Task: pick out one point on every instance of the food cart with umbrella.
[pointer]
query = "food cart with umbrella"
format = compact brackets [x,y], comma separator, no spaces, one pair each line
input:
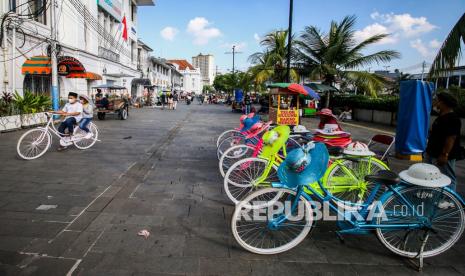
[285,102]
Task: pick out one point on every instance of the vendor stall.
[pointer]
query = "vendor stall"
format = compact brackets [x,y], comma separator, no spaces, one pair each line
[285,102]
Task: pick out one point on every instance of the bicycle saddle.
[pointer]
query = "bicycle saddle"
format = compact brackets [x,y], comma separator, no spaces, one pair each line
[384,177]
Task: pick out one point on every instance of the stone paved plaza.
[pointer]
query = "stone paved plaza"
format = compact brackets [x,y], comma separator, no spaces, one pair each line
[158,171]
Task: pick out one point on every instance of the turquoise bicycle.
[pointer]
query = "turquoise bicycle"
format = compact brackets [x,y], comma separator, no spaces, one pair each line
[416,217]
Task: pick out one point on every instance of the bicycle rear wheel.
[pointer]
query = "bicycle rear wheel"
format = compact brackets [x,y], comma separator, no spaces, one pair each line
[261,223]
[229,143]
[442,211]
[34,143]
[226,134]
[86,143]
[246,175]
[346,180]
[234,154]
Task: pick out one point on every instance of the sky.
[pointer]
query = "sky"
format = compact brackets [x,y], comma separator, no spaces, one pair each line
[180,29]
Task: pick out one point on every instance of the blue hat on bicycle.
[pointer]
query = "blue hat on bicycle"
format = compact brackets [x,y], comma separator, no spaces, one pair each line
[249,122]
[304,165]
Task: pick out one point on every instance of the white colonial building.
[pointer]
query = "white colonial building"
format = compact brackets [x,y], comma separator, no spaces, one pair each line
[192,78]
[97,44]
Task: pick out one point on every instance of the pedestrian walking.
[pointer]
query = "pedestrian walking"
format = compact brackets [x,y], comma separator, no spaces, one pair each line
[170,102]
[443,148]
[247,103]
[175,100]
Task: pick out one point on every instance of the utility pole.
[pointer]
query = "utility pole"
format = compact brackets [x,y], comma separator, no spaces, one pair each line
[53,57]
[423,66]
[289,41]
[234,52]
[13,61]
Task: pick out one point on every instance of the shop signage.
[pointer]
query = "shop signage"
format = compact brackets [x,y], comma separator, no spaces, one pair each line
[63,69]
[113,7]
[288,117]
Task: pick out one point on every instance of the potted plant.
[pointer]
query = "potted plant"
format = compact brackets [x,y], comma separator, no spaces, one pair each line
[9,119]
[31,107]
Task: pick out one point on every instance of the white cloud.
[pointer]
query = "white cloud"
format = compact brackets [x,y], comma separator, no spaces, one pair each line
[408,25]
[256,37]
[418,45]
[375,29]
[397,25]
[239,46]
[199,28]
[435,44]
[169,33]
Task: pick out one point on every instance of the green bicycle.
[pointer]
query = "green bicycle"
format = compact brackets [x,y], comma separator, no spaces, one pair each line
[344,178]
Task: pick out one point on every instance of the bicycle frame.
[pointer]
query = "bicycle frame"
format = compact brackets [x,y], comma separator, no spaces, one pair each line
[354,226]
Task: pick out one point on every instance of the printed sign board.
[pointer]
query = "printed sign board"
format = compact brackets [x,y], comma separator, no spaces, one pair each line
[113,7]
[288,117]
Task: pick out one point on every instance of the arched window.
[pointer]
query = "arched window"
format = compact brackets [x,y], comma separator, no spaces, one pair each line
[37,84]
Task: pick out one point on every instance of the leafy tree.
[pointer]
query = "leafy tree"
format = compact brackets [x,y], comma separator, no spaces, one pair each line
[271,64]
[208,88]
[450,50]
[336,55]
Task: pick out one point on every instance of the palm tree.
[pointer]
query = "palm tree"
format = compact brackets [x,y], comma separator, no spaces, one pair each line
[271,63]
[450,50]
[336,55]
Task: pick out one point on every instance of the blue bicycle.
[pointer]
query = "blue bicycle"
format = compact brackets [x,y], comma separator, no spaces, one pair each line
[416,216]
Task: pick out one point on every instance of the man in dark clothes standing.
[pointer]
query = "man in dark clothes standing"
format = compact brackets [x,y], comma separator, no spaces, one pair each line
[443,147]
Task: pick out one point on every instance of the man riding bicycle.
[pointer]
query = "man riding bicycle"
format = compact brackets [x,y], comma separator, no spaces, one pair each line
[73,112]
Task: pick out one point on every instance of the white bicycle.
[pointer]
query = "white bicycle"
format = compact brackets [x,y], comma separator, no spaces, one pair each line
[35,142]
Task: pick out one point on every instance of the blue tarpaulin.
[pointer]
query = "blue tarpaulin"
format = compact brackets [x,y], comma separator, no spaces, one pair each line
[413,116]
[238,95]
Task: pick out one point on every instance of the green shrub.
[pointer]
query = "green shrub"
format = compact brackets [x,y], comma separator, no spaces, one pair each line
[30,103]
[383,103]
[7,107]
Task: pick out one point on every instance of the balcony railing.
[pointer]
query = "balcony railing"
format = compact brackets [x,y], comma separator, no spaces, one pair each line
[108,54]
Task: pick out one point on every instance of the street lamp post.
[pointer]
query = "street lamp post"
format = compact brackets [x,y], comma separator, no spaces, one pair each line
[289,41]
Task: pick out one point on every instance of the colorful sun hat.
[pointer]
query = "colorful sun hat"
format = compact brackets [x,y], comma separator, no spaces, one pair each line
[249,122]
[425,175]
[257,128]
[274,140]
[304,165]
[326,112]
[358,149]
[300,129]
[330,129]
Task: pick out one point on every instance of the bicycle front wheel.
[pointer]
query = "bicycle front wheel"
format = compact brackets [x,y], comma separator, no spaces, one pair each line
[263,223]
[345,179]
[229,143]
[246,175]
[439,211]
[34,143]
[234,154]
[227,134]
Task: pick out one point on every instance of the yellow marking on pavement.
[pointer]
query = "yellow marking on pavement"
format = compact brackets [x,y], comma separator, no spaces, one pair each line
[369,128]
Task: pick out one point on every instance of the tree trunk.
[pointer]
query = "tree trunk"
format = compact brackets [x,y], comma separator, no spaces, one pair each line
[328,95]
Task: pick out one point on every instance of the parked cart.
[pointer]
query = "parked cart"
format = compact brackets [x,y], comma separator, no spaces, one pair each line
[111,99]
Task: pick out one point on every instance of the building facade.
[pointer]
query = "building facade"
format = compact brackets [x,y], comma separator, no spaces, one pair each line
[206,63]
[97,44]
[191,77]
[160,74]
[456,77]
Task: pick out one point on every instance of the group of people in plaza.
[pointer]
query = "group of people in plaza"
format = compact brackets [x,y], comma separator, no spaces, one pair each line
[169,99]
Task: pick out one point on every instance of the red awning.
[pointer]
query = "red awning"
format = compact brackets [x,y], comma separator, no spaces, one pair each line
[84,75]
